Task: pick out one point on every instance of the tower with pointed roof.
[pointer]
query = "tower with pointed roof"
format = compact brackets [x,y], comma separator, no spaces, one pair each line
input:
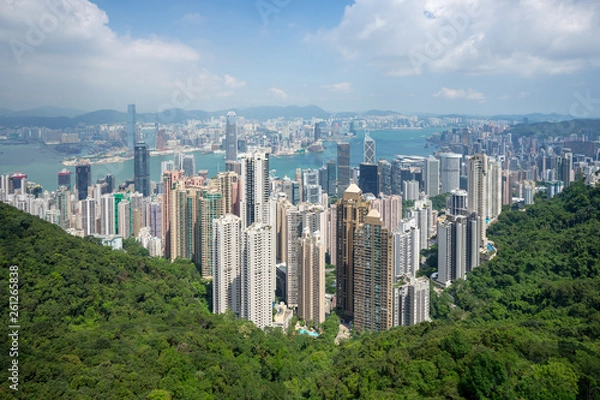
[351,211]
[373,275]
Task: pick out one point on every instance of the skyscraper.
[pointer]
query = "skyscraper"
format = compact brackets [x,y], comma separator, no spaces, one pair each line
[258,275]
[209,206]
[107,215]
[311,306]
[565,167]
[188,165]
[227,184]
[83,172]
[125,222]
[458,203]
[351,211]
[373,275]
[317,132]
[410,190]
[331,178]
[432,176]
[141,168]
[384,170]
[450,171]
[369,149]
[343,168]
[64,178]
[227,261]
[63,198]
[368,180]
[412,301]
[458,247]
[494,186]
[390,210]
[477,194]
[131,127]
[423,215]
[256,187]
[88,213]
[231,137]
[407,248]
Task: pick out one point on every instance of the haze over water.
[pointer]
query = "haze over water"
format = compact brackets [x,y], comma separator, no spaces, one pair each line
[42,165]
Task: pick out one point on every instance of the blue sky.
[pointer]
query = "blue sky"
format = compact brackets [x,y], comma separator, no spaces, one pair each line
[439,56]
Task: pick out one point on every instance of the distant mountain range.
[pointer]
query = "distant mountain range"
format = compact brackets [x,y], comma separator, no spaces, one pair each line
[61,118]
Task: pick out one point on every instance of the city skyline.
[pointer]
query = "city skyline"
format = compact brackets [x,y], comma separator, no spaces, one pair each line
[348,56]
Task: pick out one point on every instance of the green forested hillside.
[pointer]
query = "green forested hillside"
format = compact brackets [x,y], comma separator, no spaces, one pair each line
[96,323]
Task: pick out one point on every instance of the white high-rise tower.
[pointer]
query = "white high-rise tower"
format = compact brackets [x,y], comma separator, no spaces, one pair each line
[255,190]
[227,263]
[258,275]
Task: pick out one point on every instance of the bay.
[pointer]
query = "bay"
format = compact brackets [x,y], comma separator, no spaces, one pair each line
[42,164]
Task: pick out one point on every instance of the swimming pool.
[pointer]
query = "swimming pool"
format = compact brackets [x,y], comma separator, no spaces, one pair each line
[305,332]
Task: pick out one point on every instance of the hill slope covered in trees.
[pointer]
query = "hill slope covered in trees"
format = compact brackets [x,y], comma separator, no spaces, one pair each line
[96,323]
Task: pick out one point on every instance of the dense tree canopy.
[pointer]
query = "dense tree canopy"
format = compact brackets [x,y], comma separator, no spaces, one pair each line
[97,323]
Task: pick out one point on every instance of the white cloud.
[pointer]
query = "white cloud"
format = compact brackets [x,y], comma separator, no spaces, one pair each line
[233,83]
[343,87]
[453,94]
[194,18]
[408,37]
[70,53]
[278,93]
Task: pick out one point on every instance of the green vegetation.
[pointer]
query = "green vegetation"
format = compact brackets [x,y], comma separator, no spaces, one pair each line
[439,202]
[97,323]
[406,204]
[563,128]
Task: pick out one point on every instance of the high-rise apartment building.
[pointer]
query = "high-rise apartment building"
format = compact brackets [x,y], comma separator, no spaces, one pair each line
[125,222]
[209,206]
[227,183]
[351,211]
[458,247]
[305,217]
[390,210]
[256,188]
[373,275]
[88,213]
[407,248]
[478,193]
[107,215]
[411,301]
[227,261]
[311,305]
[258,275]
